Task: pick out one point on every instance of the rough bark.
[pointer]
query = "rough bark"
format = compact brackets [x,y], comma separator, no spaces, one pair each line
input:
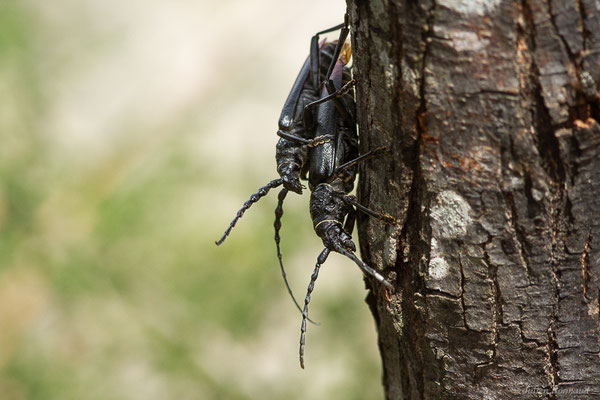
[494,173]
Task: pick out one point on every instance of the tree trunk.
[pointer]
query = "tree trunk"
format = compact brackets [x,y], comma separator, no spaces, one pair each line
[490,110]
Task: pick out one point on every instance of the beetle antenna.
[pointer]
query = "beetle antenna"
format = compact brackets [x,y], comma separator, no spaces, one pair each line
[277,224]
[320,260]
[253,199]
[364,267]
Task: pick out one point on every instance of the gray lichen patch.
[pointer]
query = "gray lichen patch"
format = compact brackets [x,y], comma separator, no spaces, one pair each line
[471,7]
[390,245]
[450,216]
[443,274]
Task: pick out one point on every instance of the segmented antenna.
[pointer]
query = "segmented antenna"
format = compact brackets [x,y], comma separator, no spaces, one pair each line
[253,199]
[320,260]
[277,224]
[364,267]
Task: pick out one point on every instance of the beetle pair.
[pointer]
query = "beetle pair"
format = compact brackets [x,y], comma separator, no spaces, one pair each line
[319,143]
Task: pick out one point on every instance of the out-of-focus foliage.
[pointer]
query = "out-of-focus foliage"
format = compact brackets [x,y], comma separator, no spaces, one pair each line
[130,133]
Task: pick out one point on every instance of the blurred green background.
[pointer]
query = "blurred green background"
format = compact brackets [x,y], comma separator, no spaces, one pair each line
[130,133]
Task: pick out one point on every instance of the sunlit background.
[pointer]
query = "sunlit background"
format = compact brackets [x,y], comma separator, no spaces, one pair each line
[130,133]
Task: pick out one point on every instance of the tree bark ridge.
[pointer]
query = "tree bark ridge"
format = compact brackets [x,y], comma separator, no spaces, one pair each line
[495,178]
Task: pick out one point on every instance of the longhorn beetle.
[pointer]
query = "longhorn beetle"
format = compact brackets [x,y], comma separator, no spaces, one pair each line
[319,143]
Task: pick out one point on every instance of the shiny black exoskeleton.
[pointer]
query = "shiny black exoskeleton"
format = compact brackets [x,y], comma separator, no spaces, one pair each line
[319,143]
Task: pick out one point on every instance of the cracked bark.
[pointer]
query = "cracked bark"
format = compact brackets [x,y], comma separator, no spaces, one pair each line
[494,174]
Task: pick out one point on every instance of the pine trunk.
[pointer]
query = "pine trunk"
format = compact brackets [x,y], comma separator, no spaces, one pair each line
[490,110]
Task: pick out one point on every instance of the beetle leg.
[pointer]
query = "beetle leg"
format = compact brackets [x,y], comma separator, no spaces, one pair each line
[350,220]
[307,142]
[314,50]
[368,155]
[338,48]
[339,104]
[331,92]
[308,114]
[386,218]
